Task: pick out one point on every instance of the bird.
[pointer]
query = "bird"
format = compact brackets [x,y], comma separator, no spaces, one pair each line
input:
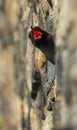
[43,41]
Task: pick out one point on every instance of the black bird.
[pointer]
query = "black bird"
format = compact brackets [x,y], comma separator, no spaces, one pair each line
[44,41]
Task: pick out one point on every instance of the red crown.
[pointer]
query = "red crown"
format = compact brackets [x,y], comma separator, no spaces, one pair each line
[36,33]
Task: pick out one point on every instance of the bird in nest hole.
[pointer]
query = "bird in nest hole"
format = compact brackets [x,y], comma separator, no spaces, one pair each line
[45,42]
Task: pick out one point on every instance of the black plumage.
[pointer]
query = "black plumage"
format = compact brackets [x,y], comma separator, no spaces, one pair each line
[44,41]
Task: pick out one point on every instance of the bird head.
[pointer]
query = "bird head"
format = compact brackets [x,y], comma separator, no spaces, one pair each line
[36,33]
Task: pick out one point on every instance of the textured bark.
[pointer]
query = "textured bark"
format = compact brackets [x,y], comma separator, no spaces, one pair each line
[19,59]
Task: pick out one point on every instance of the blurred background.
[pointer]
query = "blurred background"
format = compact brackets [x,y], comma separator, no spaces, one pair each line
[25,71]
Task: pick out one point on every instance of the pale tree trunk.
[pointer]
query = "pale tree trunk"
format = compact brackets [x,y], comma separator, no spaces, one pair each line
[19,60]
[9,100]
[66,43]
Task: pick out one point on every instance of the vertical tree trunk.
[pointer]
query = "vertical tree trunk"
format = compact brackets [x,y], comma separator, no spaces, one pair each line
[67,71]
[19,60]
